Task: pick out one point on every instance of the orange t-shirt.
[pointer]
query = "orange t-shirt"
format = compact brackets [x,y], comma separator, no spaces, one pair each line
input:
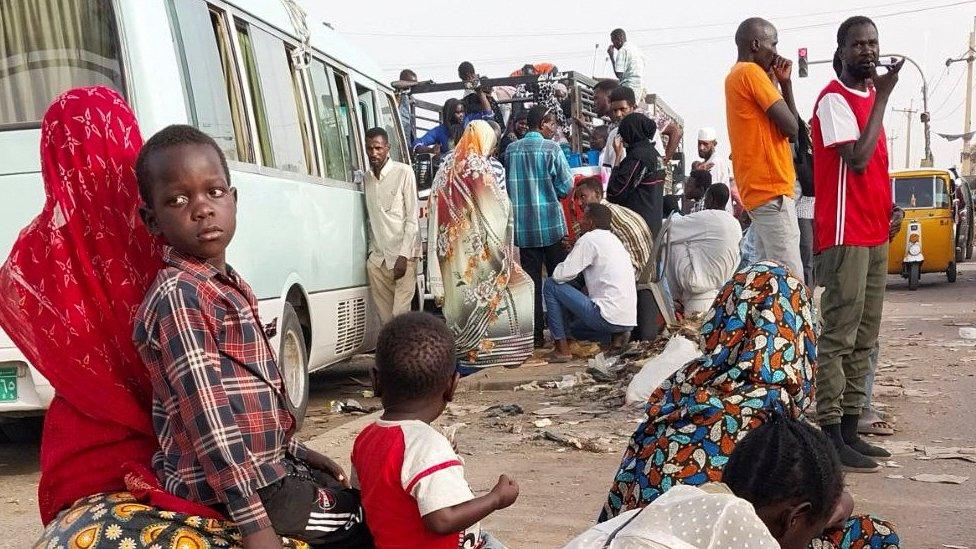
[761,156]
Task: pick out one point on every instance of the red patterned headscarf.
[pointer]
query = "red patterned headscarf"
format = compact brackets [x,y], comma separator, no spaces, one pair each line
[69,292]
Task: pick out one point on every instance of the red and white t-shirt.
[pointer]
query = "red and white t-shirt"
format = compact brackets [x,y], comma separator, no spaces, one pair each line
[406,470]
[852,209]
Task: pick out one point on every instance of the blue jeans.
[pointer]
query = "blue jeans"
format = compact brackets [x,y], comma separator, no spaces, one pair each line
[747,249]
[563,300]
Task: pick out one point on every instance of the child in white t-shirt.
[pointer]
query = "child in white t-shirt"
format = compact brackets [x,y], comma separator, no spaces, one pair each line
[413,489]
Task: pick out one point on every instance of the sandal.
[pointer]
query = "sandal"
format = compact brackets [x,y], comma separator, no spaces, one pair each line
[873,424]
[555,358]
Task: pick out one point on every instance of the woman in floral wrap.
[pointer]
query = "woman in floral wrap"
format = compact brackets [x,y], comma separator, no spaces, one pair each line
[473,263]
[760,357]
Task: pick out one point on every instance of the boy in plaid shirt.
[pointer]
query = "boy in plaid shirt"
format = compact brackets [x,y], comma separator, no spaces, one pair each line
[219,409]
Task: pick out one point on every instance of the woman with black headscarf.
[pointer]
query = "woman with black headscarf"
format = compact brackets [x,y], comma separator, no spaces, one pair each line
[637,181]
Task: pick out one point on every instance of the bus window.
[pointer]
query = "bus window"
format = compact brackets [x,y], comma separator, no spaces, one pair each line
[298,88]
[334,148]
[49,46]
[346,126]
[390,116]
[272,92]
[257,98]
[202,37]
[367,106]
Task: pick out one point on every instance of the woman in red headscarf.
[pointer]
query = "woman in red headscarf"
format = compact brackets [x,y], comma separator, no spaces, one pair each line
[68,292]
[68,295]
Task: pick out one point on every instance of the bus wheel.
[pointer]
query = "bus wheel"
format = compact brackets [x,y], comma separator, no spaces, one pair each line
[914,273]
[293,362]
[951,272]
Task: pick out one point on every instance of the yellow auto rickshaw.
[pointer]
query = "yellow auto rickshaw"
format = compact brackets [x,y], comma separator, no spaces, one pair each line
[926,242]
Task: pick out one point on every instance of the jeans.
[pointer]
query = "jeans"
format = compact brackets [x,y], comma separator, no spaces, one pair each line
[747,249]
[533,261]
[778,233]
[806,250]
[563,300]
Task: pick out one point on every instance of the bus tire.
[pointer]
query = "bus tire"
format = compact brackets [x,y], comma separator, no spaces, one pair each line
[914,273]
[293,363]
[951,272]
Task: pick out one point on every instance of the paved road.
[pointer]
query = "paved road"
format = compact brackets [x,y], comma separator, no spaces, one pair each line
[921,350]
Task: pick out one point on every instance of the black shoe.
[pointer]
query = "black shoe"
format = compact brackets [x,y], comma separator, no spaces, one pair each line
[848,430]
[852,460]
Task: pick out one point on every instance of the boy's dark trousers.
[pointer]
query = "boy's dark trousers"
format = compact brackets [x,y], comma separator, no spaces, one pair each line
[312,506]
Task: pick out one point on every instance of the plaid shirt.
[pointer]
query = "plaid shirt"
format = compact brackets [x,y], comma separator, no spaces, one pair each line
[538,176]
[219,409]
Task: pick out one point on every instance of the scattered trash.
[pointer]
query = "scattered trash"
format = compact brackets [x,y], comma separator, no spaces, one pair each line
[967,332]
[358,381]
[450,432]
[532,386]
[349,407]
[935,452]
[368,393]
[565,440]
[891,464]
[943,479]
[598,445]
[602,368]
[678,352]
[553,411]
[544,422]
[500,410]
[568,381]
[516,429]
[950,546]
[895,477]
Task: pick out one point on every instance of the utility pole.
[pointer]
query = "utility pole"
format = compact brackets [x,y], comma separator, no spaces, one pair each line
[908,131]
[966,156]
[891,147]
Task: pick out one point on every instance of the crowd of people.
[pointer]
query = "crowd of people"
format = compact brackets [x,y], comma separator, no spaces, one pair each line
[170,424]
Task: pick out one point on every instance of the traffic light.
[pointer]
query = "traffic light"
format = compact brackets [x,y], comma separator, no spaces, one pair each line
[802,65]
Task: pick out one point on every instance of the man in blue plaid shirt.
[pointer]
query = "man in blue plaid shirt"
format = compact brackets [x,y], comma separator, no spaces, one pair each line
[538,176]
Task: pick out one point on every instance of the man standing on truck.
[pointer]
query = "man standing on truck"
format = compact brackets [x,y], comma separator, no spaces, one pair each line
[391,202]
[538,176]
[407,79]
[628,62]
[761,121]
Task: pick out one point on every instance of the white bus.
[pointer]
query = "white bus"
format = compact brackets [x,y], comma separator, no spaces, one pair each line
[280,92]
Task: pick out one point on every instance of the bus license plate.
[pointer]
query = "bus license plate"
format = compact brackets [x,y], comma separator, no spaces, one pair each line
[8,384]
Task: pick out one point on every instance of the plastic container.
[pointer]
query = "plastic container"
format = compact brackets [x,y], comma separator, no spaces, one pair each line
[593,158]
[575,160]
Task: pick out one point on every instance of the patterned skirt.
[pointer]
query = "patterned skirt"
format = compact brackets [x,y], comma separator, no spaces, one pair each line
[118,521]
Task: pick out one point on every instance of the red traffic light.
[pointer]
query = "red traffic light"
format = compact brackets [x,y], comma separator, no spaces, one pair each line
[803,53]
[802,69]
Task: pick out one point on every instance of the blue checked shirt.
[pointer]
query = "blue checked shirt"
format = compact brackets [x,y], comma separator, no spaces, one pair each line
[538,176]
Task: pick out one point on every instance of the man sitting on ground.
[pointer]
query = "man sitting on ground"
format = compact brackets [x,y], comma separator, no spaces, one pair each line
[610,311]
[703,252]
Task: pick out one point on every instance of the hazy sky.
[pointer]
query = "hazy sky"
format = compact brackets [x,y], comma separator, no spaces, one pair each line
[688,47]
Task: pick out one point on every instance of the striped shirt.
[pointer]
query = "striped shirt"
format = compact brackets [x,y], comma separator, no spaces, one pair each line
[631,229]
[219,409]
[538,176]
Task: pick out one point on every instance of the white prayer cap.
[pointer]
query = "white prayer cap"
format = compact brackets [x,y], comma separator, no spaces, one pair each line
[707,134]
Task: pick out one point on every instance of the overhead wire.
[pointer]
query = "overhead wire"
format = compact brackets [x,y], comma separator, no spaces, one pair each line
[631,31]
[701,40]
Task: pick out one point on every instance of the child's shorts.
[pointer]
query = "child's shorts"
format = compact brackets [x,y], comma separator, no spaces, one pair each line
[313,506]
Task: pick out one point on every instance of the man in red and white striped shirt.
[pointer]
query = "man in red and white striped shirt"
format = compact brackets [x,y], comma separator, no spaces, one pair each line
[851,220]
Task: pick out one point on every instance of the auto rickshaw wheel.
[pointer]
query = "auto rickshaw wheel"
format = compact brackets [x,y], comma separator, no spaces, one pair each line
[951,272]
[914,273]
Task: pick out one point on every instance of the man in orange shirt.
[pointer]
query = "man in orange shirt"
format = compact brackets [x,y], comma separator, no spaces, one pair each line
[761,122]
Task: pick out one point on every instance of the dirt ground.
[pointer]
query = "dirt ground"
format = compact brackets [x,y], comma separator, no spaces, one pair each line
[926,379]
